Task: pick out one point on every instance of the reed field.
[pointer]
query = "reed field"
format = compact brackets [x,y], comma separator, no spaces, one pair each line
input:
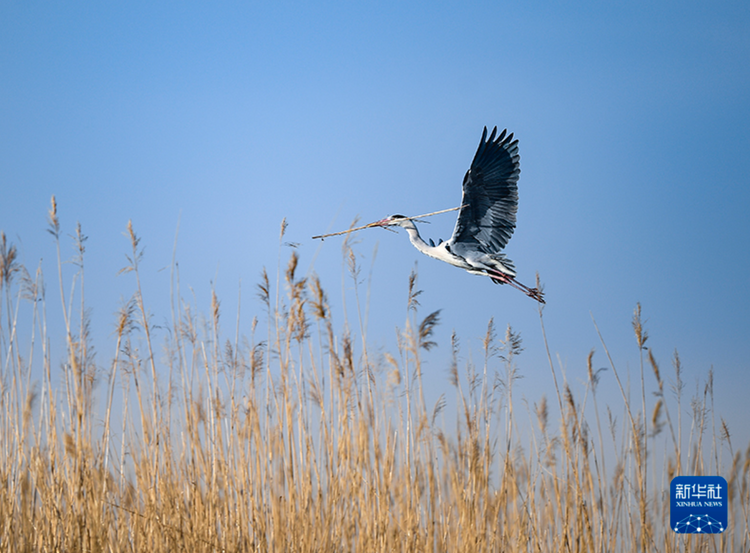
[293,438]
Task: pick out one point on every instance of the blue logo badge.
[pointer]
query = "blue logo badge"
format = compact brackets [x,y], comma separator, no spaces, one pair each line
[698,504]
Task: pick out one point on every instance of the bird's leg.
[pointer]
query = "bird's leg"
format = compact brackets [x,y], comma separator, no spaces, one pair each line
[501,278]
[531,292]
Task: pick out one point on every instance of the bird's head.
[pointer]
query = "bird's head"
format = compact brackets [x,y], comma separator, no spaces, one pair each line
[395,221]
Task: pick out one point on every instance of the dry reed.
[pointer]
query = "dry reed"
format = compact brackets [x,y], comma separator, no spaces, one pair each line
[302,441]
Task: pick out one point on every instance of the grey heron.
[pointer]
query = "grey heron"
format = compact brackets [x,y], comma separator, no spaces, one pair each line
[486,219]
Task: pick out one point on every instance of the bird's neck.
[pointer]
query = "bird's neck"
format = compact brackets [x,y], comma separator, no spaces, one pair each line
[416,239]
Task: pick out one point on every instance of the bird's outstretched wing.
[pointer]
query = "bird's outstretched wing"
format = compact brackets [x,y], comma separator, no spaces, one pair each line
[490,195]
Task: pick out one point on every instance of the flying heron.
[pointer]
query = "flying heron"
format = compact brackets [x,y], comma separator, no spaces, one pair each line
[486,218]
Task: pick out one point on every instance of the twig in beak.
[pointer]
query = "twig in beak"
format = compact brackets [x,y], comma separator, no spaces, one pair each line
[375,224]
[379,223]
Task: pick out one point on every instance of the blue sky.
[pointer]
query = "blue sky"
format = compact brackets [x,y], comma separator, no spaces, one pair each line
[223,119]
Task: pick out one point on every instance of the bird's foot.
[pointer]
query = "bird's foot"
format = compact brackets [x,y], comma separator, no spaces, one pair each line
[535,293]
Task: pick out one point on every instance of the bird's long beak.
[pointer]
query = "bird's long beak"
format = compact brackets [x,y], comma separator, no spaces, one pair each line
[382,223]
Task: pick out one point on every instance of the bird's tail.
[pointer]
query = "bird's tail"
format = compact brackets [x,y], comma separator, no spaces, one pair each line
[501,264]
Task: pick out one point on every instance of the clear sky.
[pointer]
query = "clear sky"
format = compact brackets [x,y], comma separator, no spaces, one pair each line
[224,118]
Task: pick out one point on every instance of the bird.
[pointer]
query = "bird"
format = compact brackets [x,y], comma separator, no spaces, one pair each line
[486,218]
